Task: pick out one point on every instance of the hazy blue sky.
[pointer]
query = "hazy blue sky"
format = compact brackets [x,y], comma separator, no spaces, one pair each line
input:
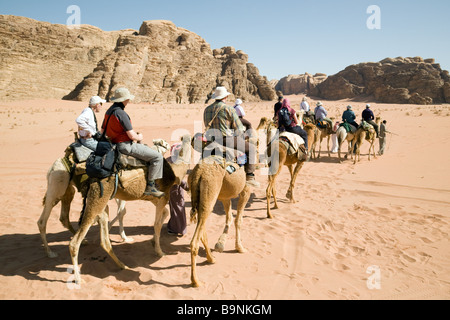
[281,37]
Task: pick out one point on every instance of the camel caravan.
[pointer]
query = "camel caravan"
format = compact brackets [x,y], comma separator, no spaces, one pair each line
[113,163]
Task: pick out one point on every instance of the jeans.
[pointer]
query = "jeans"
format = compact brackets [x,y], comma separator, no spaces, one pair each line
[142,152]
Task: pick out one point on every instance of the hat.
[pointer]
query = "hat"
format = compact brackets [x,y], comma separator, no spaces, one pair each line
[349,107]
[96,100]
[305,99]
[220,93]
[238,102]
[121,95]
[367,106]
[319,104]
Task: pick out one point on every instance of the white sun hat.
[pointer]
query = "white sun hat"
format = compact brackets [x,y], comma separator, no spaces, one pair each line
[121,95]
[96,100]
[239,102]
[220,93]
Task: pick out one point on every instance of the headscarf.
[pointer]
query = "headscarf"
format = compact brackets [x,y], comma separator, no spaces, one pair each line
[286,103]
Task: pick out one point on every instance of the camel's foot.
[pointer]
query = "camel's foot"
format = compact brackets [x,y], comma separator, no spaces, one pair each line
[127,240]
[211,259]
[196,283]
[219,247]
[52,254]
[158,249]
[289,195]
[240,249]
[269,216]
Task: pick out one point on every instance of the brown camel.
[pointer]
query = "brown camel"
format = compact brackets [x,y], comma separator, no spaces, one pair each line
[358,140]
[283,158]
[61,188]
[209,182]
[325,133]
[101,191]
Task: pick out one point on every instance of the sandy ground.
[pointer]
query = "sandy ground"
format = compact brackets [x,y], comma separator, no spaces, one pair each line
[387,219]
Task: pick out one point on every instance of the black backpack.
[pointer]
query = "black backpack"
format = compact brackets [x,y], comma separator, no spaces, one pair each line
[102,163]
[284,117]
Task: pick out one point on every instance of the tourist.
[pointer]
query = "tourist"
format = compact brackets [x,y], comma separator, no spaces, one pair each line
[87,123]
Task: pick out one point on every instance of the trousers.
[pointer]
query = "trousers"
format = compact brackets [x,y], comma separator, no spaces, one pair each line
[142,152]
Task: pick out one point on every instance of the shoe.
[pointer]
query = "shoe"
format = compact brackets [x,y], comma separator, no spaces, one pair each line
[152,190]
[251,181]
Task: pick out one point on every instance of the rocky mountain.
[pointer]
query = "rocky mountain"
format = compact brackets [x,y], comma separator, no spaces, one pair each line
[399,80]
[158,63]
[299,84]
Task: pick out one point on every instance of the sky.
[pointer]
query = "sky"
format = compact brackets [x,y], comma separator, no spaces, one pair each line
[281,37]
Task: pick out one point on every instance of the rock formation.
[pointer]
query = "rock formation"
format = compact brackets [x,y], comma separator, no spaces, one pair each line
[160,63]
[399,80]
[300,84]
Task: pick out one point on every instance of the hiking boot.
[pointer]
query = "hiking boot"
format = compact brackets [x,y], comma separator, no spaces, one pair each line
[152,190]
[251,181]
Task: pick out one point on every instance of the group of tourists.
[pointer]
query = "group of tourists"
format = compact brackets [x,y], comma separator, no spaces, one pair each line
[320,114]
[228,124]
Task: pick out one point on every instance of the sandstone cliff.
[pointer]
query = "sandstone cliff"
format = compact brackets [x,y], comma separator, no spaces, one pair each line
[160,63]
[399,80]
[302,83]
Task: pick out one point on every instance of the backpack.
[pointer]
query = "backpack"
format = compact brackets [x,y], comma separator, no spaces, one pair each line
[284,117]
[103,163]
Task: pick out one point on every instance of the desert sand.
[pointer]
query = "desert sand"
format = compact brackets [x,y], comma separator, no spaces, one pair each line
[387,219]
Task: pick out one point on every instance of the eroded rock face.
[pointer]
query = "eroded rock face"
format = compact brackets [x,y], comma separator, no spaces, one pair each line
[43,60]
[300,84]
[160,63]
[399,80]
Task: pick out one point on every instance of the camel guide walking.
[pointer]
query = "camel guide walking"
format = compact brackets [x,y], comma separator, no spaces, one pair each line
[120,131]
[87,123]
[224,126]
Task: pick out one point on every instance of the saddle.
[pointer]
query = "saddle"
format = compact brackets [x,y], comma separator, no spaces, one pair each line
[293,143]
[75,163]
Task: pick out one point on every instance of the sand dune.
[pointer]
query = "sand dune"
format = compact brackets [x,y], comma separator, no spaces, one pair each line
[389,216]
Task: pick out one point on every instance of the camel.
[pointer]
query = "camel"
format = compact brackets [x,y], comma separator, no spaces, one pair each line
[100,191]
[283,159]
[342,136]
[209,182]
[324,133]
[370,136]
[61,188]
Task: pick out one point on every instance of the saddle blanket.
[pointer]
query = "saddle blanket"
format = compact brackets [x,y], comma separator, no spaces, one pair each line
[294,139]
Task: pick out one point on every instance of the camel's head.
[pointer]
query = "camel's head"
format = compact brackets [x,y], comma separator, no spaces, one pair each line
[181,152]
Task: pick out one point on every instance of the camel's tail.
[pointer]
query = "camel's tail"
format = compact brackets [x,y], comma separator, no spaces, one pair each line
[194,187]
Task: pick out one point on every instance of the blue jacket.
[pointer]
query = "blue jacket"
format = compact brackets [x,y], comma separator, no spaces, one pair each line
[367,115]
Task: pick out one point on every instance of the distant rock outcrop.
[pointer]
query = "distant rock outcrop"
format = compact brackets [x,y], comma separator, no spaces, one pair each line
[298,84]
[399,80]
[160,63]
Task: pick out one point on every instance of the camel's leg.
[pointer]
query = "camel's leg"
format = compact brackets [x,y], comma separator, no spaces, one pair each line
[328,145]
[121,212]
[269,192]
[320,146]
[74,247]
[209,257]
[57,185]
[94,208]
[199,233]
[243,199]
[204,210]
[66,201]
[161,214]
[104,238]
[289,192]
[220,245]
[293,179]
